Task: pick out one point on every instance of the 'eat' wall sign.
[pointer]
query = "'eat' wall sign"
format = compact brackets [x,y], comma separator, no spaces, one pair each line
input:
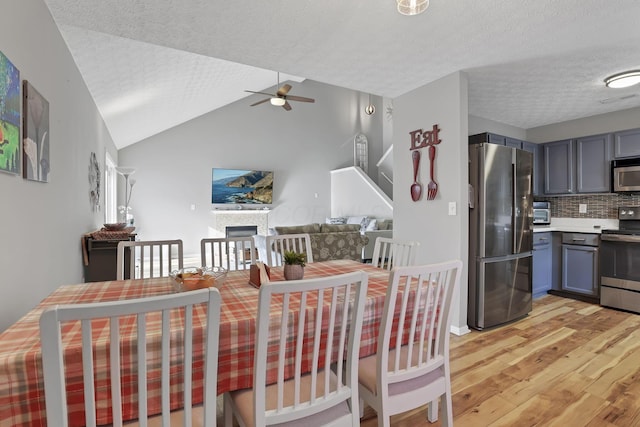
[420,139]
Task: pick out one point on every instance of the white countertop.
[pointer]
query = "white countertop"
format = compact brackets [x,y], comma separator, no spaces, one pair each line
[577,225]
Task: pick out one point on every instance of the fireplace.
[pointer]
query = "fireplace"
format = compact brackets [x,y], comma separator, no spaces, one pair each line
[239,219]
[240,230]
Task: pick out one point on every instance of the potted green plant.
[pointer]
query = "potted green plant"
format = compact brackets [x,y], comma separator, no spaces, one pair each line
[294,263]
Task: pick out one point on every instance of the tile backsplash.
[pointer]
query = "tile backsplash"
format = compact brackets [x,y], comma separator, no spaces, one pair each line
[598,205]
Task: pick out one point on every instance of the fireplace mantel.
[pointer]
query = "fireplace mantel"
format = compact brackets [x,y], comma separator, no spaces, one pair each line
[236,217]
[244,210]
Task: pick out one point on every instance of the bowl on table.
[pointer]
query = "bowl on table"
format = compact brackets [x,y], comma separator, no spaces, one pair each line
[116,226]
[191,278]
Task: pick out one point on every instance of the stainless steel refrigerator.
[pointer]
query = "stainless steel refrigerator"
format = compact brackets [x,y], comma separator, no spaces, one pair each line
[500,239]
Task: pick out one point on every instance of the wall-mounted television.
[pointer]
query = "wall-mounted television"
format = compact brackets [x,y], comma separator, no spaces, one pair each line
[237,186]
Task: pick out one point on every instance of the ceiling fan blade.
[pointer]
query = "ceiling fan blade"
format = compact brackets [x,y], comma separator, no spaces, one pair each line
[284,90]
[300,98]
[261,93]
[287,106]
[260,102]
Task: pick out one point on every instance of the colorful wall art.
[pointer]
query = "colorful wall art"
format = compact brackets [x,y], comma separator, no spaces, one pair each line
[9,116]
[36,165]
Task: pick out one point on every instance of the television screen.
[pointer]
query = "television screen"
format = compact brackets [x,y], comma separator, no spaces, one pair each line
[241,186]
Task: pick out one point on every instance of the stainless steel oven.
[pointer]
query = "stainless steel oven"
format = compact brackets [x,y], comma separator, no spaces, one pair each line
[620,262]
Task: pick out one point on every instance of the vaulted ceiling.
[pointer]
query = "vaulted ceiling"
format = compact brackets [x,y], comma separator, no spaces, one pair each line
[153,64]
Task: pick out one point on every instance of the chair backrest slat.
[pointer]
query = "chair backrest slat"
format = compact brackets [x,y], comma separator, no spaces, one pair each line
[114,359]
[389,253]
[233,253]
[166,364]
[312,315]
[299,340]
[317,341]
[142,367]
[188,364]
[143,255]
[88,369]
[278,244]
[281,350]
[165,306]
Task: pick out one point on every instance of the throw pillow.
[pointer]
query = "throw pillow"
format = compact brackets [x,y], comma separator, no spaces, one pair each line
[372,226]
[355,219]
[362,220]
[336,220]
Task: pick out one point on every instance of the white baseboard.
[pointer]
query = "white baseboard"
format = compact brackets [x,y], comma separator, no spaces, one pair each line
[456,330]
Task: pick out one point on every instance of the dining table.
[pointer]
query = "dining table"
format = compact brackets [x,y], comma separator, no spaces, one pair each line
[22,399]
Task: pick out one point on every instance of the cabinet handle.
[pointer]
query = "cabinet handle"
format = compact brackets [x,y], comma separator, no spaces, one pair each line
[543,239]
[579,240]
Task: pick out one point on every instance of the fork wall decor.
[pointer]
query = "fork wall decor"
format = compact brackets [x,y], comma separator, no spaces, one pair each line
[420,139]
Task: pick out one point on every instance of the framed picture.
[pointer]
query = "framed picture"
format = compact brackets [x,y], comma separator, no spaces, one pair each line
[35,132]
[9,116]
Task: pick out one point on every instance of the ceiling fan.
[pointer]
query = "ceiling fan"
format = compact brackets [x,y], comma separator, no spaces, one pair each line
[281,98]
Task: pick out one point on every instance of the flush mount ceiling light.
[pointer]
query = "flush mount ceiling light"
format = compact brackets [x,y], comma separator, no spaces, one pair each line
[626,79]
[412,7]
[278,102]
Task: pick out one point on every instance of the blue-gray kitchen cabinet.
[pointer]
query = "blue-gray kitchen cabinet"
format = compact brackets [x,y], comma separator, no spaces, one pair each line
[580,263]
[627,143]
[542,266]
[558,167]
[593,164]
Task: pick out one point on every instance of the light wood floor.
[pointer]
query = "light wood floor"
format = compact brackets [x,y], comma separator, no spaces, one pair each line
[567,364]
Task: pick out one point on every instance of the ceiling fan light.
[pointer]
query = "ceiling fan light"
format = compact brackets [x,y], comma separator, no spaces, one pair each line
[412,7]
[277,101]
[621,80]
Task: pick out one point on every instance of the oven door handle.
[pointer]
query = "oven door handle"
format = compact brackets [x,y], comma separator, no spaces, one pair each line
[620,238]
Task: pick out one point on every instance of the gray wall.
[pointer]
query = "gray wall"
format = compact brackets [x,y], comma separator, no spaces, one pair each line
[441,236]
[479,125]
[42,223]
[301,146]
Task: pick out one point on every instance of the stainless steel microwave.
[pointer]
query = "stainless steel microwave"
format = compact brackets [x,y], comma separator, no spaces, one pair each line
[625,175]
[541,213]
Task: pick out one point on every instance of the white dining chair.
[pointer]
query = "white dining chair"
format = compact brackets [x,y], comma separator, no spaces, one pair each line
[304,325]
[389,253]
[148,258]
[279,243]
[232,253]
[145,311]
[411,365]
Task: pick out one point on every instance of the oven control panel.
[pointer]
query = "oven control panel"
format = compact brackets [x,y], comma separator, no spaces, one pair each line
[629,212]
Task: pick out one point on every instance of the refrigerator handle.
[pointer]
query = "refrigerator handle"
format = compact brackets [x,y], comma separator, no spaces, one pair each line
[514,207]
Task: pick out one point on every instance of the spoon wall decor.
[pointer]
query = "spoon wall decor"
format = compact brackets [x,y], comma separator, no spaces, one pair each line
[416,187]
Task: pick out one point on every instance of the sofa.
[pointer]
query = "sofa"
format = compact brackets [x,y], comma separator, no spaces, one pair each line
[371,227]
[331,241]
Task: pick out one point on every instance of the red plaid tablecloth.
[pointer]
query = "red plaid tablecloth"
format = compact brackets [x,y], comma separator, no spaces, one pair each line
[21,381]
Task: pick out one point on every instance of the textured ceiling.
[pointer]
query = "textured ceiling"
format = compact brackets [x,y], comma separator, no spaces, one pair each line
[153,64]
